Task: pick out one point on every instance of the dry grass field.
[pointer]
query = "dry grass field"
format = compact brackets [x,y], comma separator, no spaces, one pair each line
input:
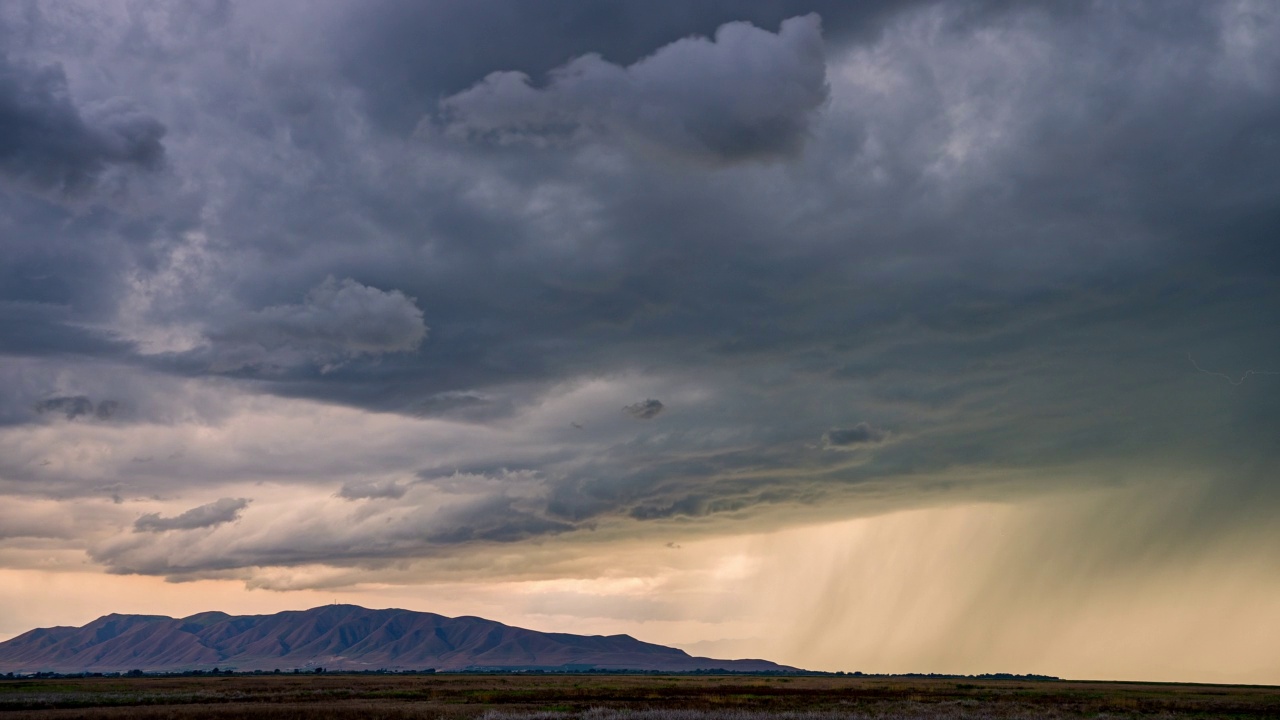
[616,697]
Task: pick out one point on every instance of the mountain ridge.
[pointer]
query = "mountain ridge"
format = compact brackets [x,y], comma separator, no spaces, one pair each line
[338,637]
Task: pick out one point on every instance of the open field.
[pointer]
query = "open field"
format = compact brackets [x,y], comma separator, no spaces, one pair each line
[617,697]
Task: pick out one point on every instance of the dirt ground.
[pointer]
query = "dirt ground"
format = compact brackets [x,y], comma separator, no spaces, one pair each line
[618,697]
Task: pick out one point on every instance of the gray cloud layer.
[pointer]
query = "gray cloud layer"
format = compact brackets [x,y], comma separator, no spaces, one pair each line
[217,512]
[996,230]
[860,434]
[645,409]
[47,142]
[336,321]
[381,489]
[76,406]
[746,93]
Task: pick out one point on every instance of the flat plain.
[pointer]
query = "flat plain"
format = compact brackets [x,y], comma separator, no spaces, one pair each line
[618,697]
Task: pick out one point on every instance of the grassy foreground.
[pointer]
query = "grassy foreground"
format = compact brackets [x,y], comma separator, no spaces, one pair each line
[617,697]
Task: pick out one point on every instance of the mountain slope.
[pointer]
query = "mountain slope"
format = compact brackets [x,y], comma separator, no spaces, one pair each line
[340,637]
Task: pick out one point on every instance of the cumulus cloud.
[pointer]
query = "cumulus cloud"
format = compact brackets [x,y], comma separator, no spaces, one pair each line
[838,438]
[48,143]
[645,409]
[373,489]
[337,321]
[218,512]
[747,93]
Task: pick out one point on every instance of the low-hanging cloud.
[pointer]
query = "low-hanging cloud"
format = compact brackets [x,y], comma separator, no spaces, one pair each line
[748,93]
[47,143]
[217,512]
[645,409]
[374,489]
[74,406]
[321,532]
[859,435]
[338,321]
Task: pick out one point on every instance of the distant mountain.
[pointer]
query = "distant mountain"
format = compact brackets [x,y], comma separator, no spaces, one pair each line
[337,637]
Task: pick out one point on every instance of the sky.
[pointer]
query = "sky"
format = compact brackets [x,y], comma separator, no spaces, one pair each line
[891,336]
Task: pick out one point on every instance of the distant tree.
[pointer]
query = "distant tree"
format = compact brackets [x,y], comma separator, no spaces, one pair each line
[134,673]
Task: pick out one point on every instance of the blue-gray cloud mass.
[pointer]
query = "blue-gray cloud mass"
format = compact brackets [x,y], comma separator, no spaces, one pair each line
[996,230]
[47,142]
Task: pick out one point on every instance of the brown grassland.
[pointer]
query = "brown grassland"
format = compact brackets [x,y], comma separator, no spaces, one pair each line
[617,697]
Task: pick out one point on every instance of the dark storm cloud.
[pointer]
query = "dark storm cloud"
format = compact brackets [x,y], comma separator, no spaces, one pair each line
[745,94]
[501,520]
[71,407]
[217,512]
[860,434]
[337,321]
[75,406]
[645,409]
[997,229]
[378,489]
[38,329]
[46,141]
[462,404]
[686,480]
[405,56]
